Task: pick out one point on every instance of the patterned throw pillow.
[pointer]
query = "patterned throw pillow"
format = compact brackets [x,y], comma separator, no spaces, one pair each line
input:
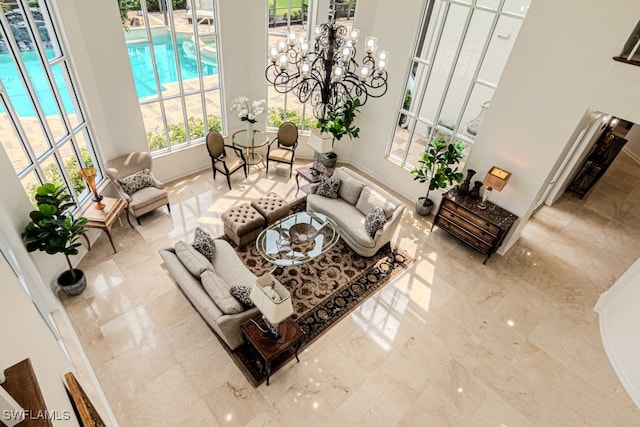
[243,294]
[203,243]
[329,187]
[139,180]
[375,220]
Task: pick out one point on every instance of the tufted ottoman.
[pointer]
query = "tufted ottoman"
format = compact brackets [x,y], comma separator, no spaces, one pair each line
[242,224]
[272,207]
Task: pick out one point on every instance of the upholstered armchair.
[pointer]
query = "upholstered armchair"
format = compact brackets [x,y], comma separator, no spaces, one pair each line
[283,147]
[132,177]
[222,163]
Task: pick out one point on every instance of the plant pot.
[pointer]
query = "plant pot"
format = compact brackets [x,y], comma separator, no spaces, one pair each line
[329,160]
[67,284]
[424,206]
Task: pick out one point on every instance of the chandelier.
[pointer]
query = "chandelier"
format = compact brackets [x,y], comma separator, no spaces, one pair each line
[329,73]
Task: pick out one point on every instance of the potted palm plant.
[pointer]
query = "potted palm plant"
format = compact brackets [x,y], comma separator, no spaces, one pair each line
[53,229]
[338,122]
[438,168]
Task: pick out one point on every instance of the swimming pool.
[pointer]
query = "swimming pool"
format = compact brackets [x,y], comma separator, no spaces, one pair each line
[141,67]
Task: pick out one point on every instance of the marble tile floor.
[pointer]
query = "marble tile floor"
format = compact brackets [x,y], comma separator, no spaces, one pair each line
[451,341]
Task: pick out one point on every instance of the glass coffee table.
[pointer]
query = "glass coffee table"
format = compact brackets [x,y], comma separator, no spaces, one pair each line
[298,238]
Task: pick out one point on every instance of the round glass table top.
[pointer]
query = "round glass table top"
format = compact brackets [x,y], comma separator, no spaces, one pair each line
[297,238]
[242,138]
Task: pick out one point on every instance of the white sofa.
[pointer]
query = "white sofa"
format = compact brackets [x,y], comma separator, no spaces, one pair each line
[232,270]
[356,197]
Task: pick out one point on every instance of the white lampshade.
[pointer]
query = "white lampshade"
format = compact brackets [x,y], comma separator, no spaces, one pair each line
[274,310]
[319,144]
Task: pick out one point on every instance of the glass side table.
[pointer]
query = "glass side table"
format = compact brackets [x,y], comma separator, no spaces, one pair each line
[249,143]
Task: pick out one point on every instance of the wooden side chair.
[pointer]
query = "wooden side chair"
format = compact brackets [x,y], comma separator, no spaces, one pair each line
[283,147]
[220,161]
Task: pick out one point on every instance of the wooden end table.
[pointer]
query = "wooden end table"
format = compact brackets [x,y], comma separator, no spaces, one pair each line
[104,219]
[269,348]
[309,174]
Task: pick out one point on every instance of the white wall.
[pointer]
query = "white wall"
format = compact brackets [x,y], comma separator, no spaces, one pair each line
[25,335]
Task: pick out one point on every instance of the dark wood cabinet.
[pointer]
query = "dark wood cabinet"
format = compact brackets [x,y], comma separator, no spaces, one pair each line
[482,229]
[602,155]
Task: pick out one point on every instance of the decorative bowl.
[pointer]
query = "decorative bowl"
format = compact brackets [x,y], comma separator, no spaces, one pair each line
[302,233]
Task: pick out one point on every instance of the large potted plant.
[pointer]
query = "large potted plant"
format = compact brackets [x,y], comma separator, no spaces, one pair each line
[339,121]
[438,168]
[53,229]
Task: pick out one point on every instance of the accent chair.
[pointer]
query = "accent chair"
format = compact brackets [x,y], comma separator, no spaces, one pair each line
[283,147]
[132,177]
[220,161]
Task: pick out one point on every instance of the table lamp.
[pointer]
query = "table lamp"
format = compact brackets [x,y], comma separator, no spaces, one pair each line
[273,300]
[496,179]
[89,175]
[321,146]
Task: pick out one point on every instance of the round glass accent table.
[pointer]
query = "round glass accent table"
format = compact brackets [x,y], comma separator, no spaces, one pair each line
[297,238]
[249,142]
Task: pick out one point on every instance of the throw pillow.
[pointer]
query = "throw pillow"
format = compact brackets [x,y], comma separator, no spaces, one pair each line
[329,187]
[243,294]
[370,198]
[203,243]
[350,188]
[220,293]
[192,260]
[375,220]
[139,180]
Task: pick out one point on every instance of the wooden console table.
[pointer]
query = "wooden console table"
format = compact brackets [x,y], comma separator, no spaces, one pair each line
[482,229]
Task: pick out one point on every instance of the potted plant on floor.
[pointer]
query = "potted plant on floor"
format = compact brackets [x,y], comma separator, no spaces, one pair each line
[339,121]
[53,229]
[438,168]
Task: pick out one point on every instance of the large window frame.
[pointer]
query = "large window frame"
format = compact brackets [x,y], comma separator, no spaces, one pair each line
[44,129]
[174,117]
[421,114]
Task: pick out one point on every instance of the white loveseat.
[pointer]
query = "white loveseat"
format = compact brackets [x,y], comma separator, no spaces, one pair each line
[357,196]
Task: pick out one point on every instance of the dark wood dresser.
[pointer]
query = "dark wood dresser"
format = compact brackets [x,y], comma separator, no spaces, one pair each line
[482,229]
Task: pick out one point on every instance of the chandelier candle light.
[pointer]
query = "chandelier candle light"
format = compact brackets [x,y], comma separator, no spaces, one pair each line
[329,71]
[240,105]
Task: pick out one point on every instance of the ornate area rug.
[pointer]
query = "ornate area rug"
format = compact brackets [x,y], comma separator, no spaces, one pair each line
[323,291]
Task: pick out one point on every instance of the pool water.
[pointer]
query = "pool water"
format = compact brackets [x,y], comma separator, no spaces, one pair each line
[141,67]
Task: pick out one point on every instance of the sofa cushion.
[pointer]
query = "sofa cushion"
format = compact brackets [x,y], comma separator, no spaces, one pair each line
[370,198]
[375,220]
[203,243]
[243,294]
[192,260]
[139,180]
[329,187]
[230,267]
[349,219]
[220,293]
[350,188]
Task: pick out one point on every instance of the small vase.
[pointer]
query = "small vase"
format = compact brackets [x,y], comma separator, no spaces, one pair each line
[475,191]
[464,187]
[250,131]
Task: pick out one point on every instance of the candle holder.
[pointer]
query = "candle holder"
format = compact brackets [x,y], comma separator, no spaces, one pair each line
[89,175]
